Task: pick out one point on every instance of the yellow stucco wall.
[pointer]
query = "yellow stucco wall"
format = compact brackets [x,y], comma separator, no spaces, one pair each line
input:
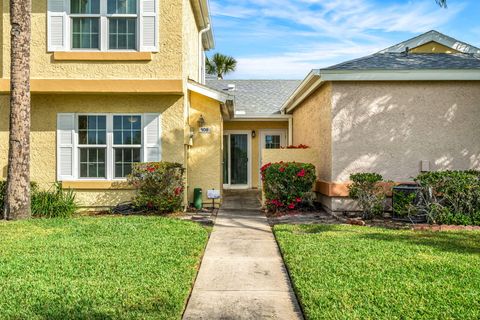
[190,43]
[258,126]
[205,156]
[312,127]
[43,133]
[166,64]
[433,47]
[389,127]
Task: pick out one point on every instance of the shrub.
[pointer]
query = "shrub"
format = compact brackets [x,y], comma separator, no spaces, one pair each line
[53,203]
[450,197]
[287,185]
[367,190]
[160,186]
[405,203]
[300,146]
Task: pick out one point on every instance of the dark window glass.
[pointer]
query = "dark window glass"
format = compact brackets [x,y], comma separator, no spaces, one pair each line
[127,130]
[85,6]
[85,33]
[92,163]
[122,6]
[124,158]
[122,33]
[92,130]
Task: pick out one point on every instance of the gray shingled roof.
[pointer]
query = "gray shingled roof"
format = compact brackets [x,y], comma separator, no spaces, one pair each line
[411,61]
[256,97]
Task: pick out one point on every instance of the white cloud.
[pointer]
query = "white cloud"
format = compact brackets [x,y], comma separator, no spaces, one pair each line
[319,32]
[296,65]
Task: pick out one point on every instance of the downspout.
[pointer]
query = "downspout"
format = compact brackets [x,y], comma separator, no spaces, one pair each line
[290,131]
[200,52]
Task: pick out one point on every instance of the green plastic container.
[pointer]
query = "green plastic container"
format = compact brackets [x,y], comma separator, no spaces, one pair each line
[198,198]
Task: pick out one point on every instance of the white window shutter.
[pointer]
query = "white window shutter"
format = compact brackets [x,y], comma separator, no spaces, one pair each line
[152,142]
[65,146]
[57,25]
[149,28]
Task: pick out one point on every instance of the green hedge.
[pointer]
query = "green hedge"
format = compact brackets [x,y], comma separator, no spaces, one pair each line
[160,186]
[366,189]
[451,197]
[287,185]
[445,197]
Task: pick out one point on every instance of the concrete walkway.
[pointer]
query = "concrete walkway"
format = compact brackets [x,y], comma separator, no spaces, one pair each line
[242,274]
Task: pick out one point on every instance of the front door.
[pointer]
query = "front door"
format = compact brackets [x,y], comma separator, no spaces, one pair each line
[236,159]
[271,139]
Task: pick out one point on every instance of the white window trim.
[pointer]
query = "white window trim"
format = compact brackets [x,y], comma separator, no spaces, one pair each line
[104,31]
[109,155]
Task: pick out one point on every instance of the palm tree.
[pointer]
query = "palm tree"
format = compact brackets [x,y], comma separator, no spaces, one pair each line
[442,3]
[17,200]
[220,65]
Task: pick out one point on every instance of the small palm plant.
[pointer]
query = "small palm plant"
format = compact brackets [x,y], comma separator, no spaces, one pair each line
[220,64]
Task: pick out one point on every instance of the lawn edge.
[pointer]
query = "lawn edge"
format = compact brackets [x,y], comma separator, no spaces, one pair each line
[198,271]
[294,288]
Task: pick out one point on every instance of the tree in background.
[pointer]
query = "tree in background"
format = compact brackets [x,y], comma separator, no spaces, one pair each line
[17,201]
[442,3]
[220,64]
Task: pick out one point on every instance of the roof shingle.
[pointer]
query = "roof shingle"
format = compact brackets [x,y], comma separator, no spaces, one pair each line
[411,61]
[256,97]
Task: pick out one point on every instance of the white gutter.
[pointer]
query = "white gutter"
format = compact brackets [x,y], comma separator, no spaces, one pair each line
[278,117]
[401,75]
[208,92]
[201,53]
[317,77]
[308,85]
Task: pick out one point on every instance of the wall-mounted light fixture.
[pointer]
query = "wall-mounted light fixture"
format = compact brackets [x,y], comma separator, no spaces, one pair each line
[201,121]
[254,134]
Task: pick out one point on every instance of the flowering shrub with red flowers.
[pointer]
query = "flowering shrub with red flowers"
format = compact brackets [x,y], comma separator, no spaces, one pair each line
[159,185]
[287,185]
[300,146]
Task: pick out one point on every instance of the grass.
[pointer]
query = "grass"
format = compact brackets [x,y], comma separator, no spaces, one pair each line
[351,272]
[98,268]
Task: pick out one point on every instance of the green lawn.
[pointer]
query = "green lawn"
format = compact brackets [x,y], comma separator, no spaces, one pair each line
[350,272]
[98,268]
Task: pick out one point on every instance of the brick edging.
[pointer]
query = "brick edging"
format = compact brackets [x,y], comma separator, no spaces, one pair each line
[436,227]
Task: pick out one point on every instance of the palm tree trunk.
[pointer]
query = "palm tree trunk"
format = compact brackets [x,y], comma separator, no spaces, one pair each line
[17,200]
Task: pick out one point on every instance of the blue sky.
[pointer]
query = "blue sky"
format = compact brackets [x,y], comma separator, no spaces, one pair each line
[285,39]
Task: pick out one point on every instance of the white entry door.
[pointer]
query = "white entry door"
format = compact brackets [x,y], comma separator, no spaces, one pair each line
[271,139]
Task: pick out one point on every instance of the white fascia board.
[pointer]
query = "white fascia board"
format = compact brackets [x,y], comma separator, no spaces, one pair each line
[207,92]
[429,37]
[263,118]
[400,75]
[311,81]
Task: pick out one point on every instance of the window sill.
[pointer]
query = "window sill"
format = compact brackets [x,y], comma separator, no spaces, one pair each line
[96,185]
[101,56]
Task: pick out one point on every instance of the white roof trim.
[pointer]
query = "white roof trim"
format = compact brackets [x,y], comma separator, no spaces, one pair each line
[308,85]
[317,77]
[400,75]
[279,117]
[208,92]
[429,37]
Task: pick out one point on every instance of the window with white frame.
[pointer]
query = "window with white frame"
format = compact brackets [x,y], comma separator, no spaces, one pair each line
[127,143]
[103,25]
[105,146]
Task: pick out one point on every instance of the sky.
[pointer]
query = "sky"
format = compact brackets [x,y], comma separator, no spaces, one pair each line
[285,39]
